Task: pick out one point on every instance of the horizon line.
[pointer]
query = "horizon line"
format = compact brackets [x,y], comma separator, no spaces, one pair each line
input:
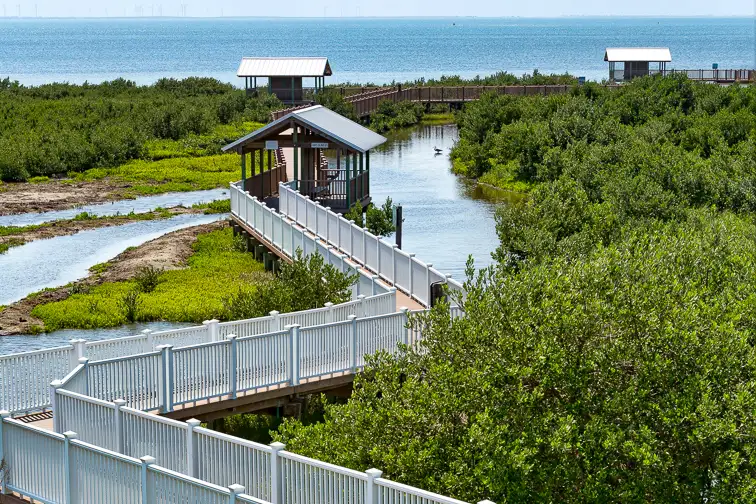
[565,16]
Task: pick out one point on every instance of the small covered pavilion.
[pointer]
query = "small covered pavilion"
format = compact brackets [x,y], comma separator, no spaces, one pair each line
[285,76]
[635,61]
[303,141]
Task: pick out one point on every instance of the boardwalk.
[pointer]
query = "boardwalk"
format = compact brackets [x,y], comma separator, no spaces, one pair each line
[107,439]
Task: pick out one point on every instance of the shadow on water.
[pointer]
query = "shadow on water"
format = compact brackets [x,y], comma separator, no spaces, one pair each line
[121,207]
[446,217]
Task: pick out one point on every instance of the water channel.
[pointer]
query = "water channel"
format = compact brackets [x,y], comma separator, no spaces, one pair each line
[446,217]
[142,204]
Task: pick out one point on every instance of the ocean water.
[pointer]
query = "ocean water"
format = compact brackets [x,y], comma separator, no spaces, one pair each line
[36,51]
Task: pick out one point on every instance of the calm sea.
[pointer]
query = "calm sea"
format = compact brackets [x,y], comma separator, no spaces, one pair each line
[35,51]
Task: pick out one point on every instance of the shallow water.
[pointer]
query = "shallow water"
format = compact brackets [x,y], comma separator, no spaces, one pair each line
[27,342]
[63,259]
[446,218]
[139,205]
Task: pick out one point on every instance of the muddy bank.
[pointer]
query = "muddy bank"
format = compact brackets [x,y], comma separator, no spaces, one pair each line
[170,251]
[69,227]
[24,197]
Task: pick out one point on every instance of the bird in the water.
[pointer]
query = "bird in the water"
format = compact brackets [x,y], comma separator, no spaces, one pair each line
[438,151]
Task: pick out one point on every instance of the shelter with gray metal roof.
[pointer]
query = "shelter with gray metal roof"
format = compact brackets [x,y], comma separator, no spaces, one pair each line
[326,155]
[285,76]
[635,61]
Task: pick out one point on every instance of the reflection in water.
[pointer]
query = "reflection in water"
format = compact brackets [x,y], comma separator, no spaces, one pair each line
[122,207]
[27,343]
[446,218]
[63,259]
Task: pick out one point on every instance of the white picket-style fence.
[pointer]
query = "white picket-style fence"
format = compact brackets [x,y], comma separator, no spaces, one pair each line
[103,427]
[398,267]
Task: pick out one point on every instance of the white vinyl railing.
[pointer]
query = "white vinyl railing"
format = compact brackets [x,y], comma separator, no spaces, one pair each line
[171,377]
[379,256]
[60,468]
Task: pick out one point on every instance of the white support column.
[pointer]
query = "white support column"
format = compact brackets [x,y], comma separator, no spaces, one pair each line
[294,352]
[118,422]
[54,386]
[233,492]
[374,278]
[427,283]
[147,497]
[353,344]
[68,468]
[149,344]
[3,476]
[232,366]
[276,475]
[411,279]
[166,378]
[393,263]
[212,330]
[364,247]
[328,224]
[191,448]
[405,311]
[371,491]
[275,322]
[360,311]
[329,317]
[79,349]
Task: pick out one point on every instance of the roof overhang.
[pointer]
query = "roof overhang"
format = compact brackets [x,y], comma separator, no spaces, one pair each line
[324,122]
[622,54]
[284,67]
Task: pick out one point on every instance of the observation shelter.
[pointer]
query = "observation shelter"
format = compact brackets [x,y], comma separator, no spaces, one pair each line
[325,155]
[285,77]
[626,63]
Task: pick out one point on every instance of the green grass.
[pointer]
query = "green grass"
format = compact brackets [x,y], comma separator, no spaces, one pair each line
[214,207]
[39,180]
[438,118]
[12,242]
[199,145]
[193,294]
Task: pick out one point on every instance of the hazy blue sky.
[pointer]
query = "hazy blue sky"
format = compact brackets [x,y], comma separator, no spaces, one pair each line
[335,8]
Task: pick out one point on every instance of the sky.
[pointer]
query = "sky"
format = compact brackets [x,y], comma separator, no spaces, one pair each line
[371,8]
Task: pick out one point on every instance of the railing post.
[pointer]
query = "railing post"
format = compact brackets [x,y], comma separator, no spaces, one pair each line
[166,374]
[393,263]
[328,224]
[118,421]
[294,352]
[411,269]
[147,461]
[371,491]
[212,330]
[377,255]
[361,306]
[3,474]
[233,491]
[427,281]
[275,322]
[374,279]
[54,386]
[67,466]
[84,361]
[329,305]
[79,347]
[191,447]
[353,344]
[232,366]
[405,311]
[364,246]
[149,345]
[276,476]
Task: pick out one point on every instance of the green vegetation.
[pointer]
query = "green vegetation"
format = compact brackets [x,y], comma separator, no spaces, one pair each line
[214,207]
[306,283]
[609,355]
[193,294]
[394,115]
[221,281]
[11,242]
[62,128]
[377,220]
